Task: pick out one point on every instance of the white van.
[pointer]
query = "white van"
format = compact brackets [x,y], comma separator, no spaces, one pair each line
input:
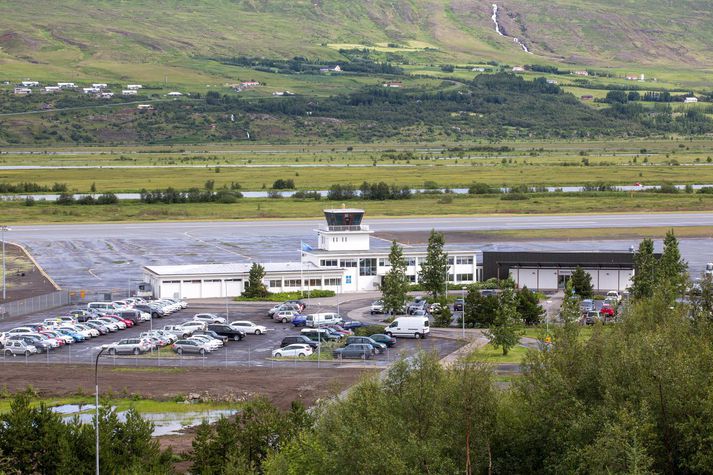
[317,319]
[103,306]
[417,327]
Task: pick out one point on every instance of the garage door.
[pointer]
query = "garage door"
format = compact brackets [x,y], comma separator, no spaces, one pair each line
[235,287]
[191,289]
[169,289]
[212,288]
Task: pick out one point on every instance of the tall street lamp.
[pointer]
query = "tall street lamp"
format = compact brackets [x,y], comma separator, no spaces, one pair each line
[4,228]
[96,404]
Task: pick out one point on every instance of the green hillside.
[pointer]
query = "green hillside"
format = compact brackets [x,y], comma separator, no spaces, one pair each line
[153,40]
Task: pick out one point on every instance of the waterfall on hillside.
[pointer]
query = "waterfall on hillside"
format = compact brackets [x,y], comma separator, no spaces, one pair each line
[499,32]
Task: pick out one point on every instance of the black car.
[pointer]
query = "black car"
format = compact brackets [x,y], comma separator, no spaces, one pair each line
[82,315]
[227,331]
[298,339]
[385,339]
[153,310]
[298,303]
[458,305]
[132,315]
[212,334]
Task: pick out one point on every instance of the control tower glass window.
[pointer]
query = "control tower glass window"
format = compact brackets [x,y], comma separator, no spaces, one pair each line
[348,217]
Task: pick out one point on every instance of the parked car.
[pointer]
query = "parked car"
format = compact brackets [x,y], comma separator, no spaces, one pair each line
[179,331]
[103,329]
[76,336]
[211,343]
[298,303]
[64,339]
[222,338]
[283,306]
[607,310]
[227,331]
[587,305]
[355,350]
[18,347]
[208,318]
[418,304]
[190,346]
[296,350]
[300,321]
[385,339]
[377,307]
[458,305]
[613,294]
[378,347]
[285,316]
[590,318]
[134,346]
[81,315]
[339,329]
[93,332]
[351,325]
[298,339]
[154,310]
[319,334]
[195,324]
[248,327]
[41,345]
[110,324]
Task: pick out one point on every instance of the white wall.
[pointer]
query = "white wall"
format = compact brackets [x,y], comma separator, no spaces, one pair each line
[346,241]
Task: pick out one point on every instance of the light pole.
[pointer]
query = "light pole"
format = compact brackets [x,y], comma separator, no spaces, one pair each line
[96,404]
[4,228]
[462,319]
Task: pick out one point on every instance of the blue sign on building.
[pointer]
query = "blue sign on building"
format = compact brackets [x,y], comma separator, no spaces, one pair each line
[348,279]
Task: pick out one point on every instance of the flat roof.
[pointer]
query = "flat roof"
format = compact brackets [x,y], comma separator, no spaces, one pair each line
[231,268]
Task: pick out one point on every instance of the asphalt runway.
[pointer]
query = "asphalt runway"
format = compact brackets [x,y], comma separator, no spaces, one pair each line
[109,257]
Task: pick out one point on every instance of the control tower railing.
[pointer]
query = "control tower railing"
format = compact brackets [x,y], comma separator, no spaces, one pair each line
[360,227]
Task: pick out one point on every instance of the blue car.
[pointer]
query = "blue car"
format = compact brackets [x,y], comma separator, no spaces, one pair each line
[76,336]
[299,320]
[351,325]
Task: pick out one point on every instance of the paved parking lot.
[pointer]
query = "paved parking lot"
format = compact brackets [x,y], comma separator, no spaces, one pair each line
[253,350]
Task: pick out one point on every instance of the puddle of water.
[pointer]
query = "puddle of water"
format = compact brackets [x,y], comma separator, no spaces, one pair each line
[165,423]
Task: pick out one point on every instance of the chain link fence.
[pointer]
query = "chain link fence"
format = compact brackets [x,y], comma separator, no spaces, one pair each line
[18,308]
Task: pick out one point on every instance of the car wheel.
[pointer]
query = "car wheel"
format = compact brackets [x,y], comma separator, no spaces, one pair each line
[112,351]
[27,352]
[136,351]
[301,355]
[236,338]
[201,352]
[417,336]
[179,351]
[284,320]
[278,355]
[258,332]
[8,353]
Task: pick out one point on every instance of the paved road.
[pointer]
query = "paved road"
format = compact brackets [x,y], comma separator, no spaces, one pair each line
[299,227]
[110,256]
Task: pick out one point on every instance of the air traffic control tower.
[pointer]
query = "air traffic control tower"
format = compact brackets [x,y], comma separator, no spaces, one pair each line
[344,231]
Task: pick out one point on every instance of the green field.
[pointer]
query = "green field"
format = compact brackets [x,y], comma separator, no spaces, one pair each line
[45,212]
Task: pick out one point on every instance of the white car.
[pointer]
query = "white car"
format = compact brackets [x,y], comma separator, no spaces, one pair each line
[248,327]
[211,343]
[113,325]
[208,318]
[195,325]
[296,350]
[73,328]
[93,332]
[285,316]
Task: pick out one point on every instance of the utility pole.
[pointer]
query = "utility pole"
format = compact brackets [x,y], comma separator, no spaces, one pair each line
[4,228]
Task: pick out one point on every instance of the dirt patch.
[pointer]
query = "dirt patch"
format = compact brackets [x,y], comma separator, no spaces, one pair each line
[24,279]
[280,385]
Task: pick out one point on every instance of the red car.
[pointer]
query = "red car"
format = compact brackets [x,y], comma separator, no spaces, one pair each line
[607,310]
[128,323]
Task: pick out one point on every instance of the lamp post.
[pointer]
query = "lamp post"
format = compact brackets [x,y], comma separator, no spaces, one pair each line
[4,228]
[96,404]
[462,319]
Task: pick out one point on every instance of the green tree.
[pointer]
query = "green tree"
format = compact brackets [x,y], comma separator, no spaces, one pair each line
[582,283]
[434,268]
[479,310]
[395,284]
[671,270]
[255,288]
[443,316]
[569,311]
[528,306]
[644,278]
[506,329]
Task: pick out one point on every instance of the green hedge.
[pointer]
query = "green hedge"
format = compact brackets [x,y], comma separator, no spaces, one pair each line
[282,296]
[369,330]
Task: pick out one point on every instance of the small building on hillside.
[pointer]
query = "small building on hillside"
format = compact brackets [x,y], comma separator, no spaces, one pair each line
[22,91]
[174,94]
[99,85]
[134,86]
[105,95]
[129,92]
[581,73]
[518,69]
[52,88]
[245,84]
[690,100]
[67,85]
[145,107]
[30,83]
[394,84]
[587,97]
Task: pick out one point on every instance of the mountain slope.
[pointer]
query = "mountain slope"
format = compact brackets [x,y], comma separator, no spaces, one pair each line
[89,37]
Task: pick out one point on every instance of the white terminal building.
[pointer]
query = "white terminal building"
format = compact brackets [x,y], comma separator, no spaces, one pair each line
[344,262]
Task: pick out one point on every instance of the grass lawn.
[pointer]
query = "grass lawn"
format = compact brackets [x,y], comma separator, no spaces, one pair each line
[489,354]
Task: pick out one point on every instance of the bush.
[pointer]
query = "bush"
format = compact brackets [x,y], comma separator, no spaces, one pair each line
[706,190]
[369,330]
[281,184]
[307,195]
[667,188]
[107,199]
[514,197]
[85,200]
[481,189]
[65,199]
[282,296]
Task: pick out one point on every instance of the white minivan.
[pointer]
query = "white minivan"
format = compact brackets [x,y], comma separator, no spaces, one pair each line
[317,319]
[417,327]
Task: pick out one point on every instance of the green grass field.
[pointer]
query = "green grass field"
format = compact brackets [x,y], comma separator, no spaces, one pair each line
[427,205]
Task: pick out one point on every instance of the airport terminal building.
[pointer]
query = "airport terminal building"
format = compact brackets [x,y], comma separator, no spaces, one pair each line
[343,261]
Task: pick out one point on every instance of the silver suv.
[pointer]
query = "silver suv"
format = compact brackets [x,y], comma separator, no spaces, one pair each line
[129,346]
[18,347]
[190,346]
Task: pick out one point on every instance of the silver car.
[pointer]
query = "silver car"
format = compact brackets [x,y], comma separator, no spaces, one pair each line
[190,346]
[18,347]
[129,346]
